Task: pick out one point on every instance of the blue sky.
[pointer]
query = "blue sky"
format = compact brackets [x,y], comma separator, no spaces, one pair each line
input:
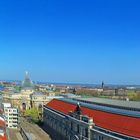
[74,41]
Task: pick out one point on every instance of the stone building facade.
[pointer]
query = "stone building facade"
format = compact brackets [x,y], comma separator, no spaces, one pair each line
[77,125]
[27,97]
[74,126]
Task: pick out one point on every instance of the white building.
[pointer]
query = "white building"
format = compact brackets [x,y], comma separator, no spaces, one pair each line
[11,115]
[6,105]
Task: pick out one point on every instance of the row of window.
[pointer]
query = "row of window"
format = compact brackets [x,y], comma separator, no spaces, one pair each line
[35,98]
[11,110]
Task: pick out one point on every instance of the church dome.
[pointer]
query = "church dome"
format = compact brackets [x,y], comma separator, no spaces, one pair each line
[27,83]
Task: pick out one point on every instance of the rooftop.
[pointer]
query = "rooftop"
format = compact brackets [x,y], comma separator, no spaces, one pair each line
[117,103]
[2,129]
[114,119]
[37,93]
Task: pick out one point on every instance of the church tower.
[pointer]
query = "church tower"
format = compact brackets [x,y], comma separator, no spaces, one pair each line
[27,84]
[103,84]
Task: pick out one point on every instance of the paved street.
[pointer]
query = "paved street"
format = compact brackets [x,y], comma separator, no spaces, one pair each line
[33,129]
[14,134]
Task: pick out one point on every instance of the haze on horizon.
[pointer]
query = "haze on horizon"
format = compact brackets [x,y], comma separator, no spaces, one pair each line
[70,41]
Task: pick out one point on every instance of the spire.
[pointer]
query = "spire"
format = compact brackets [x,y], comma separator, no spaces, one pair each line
[102,84]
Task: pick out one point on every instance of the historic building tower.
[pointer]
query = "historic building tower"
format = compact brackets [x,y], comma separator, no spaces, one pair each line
[26,91]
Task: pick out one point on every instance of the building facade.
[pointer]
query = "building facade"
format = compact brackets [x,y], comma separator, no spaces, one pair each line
[85,122]
[27,97]
[11,116]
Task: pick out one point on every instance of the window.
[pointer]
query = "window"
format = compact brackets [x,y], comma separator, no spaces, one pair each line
[71,126]
[86,132]
[14,110]
[78,129]
[101,138]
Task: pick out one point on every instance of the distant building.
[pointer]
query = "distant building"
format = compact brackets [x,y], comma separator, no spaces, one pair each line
[22,99]
[39,99]
[45,88]
[131,88]
[70,95]
[28,97]
[103,84]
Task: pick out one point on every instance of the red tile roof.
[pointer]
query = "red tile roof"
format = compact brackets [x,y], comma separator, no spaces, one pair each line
[3,137]
[114,122]
[2,124]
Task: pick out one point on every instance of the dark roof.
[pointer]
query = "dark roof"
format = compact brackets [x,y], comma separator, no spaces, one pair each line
[119,103]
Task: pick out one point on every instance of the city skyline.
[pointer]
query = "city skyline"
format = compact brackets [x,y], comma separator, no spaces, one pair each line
[70,41]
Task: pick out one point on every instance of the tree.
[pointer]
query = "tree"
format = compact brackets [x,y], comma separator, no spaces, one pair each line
[33,113]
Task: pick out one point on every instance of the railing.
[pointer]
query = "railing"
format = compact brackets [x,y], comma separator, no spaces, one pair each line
[112,134]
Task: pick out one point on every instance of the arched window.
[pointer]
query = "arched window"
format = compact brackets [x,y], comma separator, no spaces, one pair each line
[24,106]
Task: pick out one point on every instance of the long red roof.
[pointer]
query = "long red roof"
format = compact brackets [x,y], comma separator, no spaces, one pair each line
[3,137]
[3,124]
[118,123]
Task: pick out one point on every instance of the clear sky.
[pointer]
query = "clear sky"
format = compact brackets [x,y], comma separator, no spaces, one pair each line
[78,41]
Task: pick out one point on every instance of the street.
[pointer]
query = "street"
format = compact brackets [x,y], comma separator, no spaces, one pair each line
[36,132]
[14,134]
